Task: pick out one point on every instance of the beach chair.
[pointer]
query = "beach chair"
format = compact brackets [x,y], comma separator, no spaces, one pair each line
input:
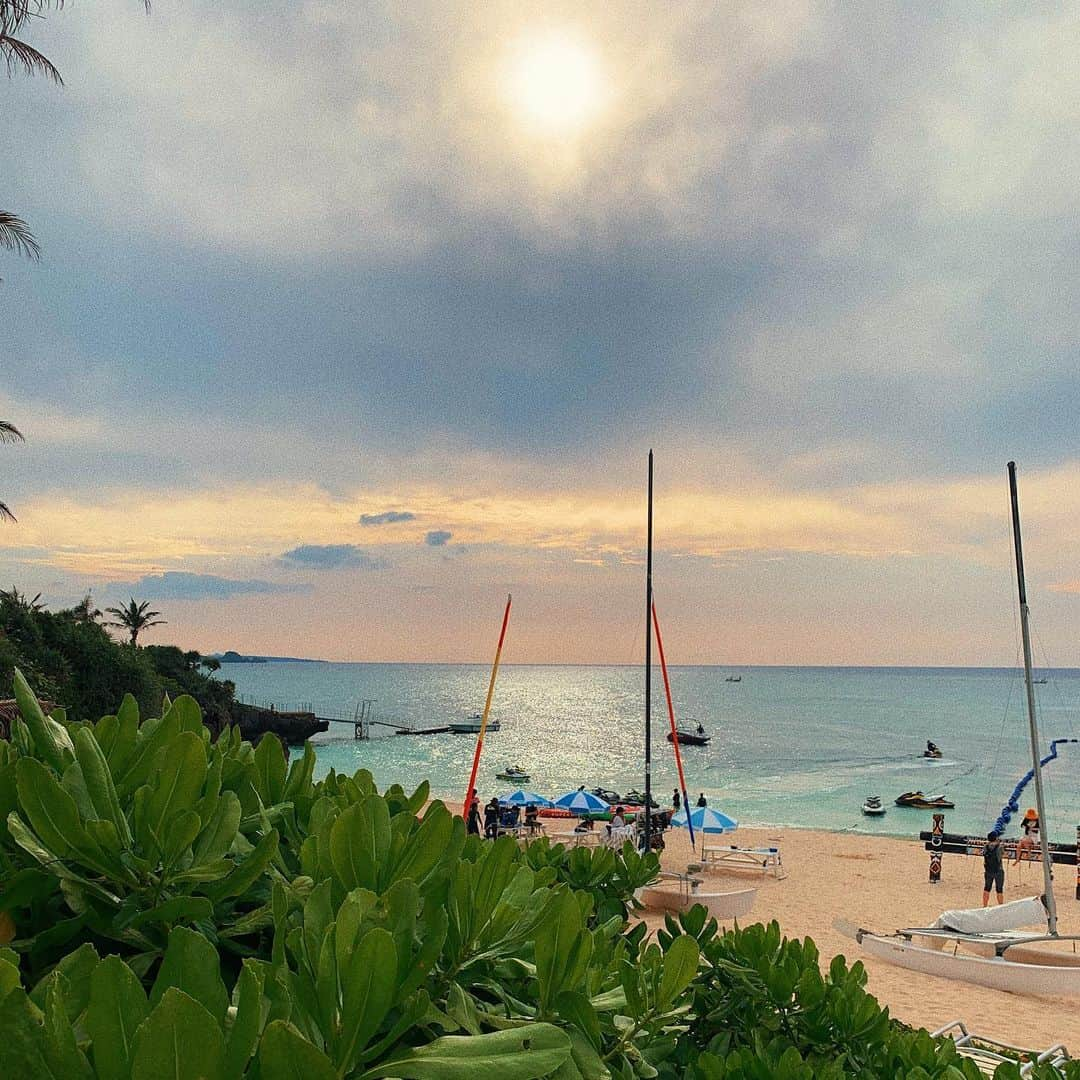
[730,857]
[617,837]
[988,1054]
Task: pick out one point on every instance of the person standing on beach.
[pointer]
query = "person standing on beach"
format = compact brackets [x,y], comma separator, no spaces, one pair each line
[993,869]
[472,823]
[701,799]
[676,802]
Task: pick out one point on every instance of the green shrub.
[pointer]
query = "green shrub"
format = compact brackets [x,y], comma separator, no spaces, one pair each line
[201,910]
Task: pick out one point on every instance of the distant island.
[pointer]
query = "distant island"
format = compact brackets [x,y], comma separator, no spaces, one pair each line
[232,657]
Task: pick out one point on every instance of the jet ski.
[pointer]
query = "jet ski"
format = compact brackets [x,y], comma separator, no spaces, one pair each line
[872,807]
[932,751]
[612,797]
[919,801]
[513,772]
[637,798]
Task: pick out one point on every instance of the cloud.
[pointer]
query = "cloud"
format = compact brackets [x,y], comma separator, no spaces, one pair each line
[332,557]
[181,585]
[387,517]
[437,538]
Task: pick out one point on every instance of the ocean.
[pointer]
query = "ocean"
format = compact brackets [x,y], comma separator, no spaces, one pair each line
[791,746]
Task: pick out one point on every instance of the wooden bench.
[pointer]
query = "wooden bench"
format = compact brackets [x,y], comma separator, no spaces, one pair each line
[740,858]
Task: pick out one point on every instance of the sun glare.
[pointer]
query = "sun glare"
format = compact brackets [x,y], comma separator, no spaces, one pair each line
[555,85]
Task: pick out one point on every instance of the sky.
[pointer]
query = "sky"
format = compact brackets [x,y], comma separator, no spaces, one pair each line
[353,318]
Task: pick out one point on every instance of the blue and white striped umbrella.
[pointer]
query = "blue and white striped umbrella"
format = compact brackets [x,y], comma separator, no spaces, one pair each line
[582,802]
[706,820]
[524,798]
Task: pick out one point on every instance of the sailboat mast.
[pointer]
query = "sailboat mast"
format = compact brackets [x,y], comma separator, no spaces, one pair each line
[1033,725]
[648,670]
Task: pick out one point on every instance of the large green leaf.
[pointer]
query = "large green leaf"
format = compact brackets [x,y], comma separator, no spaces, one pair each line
[50,738]
[367,992]
[191,964]
[680,967]
[270,770]
[359,840]
[244,1034]
[117,1007]
[99,782]
[150,743]
[284,1054]
[177,783]
[49,809]
[219,832]
[524,1053]
[179,1040]
[248,872]
[60,1047]
[425,848]
[563,948]
[22,1040]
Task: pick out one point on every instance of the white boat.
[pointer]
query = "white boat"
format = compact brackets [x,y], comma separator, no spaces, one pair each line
[679,892]
[984,946]
[471,725]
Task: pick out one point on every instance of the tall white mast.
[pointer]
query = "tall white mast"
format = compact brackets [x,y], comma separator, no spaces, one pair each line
[1033,726]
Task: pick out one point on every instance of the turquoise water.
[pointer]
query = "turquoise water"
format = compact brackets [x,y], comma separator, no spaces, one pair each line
[791,746]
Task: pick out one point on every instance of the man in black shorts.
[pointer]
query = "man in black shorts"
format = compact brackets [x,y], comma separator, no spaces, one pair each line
[993,869]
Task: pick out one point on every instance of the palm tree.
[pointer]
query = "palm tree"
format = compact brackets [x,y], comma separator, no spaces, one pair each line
[8,433]
[134,618]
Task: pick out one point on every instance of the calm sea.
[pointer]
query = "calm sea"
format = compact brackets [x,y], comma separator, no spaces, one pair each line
[790,746]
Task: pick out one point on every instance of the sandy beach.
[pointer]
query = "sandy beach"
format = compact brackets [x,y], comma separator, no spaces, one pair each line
[882,883]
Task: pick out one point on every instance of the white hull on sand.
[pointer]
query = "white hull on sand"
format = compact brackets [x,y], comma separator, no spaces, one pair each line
[721,905]
[1059,979]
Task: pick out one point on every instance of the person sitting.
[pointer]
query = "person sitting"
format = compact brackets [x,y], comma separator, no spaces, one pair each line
[532,818]
[618,819]
[586,824]
[1030,840]
[491,819]
[931,748]
[700,728]
[701,801]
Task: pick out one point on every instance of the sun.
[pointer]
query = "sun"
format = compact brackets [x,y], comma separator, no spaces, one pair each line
[554,85]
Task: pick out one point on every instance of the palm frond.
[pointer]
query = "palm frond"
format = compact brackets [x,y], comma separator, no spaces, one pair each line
[9,432]
[6,514]
[15,235]
[18,54]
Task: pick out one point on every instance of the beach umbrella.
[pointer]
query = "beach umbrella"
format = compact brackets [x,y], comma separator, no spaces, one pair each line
[524,798]
[706,820]
[582,802]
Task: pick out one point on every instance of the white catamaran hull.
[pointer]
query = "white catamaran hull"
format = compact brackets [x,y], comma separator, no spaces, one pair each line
[1058,980]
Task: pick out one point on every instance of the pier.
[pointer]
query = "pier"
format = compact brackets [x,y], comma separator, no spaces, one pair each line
[362,720]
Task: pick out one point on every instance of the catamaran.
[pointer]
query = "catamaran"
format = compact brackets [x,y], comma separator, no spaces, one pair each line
[986,946]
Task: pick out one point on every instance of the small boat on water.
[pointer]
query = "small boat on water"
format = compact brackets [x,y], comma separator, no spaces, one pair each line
[471,725]
[733,678]
[872,807]
[513,772]
[918,801]
[695,737]
[932,750]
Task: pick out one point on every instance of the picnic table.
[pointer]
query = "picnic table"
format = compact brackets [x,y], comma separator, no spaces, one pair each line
[585,838]
[730,857]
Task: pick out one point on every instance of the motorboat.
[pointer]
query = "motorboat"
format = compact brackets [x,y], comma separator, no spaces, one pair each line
[733,678]
[513,772]
[872,806]
[918,801]
[934,753]
[471,725]
[689,738]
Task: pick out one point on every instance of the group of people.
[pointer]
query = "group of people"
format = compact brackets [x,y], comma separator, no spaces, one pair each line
[496,817]
[994,856]
[676,799]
